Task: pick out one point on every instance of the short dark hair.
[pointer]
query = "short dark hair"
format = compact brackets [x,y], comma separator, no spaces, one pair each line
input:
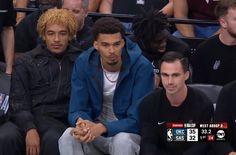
[172,56]
[223,6]
[107,25]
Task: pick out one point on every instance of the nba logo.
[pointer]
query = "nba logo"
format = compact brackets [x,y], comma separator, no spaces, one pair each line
[140,2]
[169,135]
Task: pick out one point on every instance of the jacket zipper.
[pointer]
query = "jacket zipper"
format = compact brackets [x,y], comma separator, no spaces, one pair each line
[59,82]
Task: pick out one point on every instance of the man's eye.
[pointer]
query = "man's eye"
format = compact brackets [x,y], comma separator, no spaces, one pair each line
[76,11]
[117,44]
[50,33]
[164,75]
[175,75]
[63,33]
[105,45]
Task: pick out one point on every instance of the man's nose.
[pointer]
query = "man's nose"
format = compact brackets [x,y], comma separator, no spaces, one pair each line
[111,49]
[56,37]
[170,79]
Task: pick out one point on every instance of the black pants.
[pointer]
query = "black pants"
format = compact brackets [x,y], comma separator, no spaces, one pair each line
[50,130]
[11,139]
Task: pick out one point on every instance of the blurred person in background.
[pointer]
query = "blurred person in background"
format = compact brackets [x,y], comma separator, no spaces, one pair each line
[151,32]
[215,59]
[195,9]
[135,7]
[7,21]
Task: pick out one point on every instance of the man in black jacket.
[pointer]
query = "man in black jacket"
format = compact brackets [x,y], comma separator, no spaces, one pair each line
[175,103]
[40,88]
[226,112]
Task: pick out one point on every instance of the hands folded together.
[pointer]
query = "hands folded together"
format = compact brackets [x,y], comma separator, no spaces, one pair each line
[86,131]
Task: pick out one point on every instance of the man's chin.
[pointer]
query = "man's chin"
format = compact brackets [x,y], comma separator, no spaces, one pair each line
[162,50]
[171,91]
[57,51]
[112,63]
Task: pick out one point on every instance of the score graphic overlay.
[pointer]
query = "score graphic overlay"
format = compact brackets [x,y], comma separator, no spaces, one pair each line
[194,132]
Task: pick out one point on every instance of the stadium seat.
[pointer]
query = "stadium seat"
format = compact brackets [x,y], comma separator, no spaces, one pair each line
[193,43]
[211,91]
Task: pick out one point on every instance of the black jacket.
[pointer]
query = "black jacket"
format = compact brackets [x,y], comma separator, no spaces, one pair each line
[41,85]
[226,112]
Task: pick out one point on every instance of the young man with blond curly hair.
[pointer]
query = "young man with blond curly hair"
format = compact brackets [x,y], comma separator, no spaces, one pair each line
[41,84]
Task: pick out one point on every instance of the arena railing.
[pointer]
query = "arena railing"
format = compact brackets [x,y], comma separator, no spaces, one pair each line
[193,42]
[129,18]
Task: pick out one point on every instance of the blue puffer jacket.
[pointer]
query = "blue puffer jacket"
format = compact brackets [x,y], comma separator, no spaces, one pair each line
[134,82]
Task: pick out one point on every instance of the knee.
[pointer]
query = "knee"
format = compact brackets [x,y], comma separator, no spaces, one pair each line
[12,141]
[11,134]
[51,136]
[123,141]
[66,136]
[68,144]
[49,142]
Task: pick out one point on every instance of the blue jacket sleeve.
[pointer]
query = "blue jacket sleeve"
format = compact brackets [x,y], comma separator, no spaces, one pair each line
[79,102]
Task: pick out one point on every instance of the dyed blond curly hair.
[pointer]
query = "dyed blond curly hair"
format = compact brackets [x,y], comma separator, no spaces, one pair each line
[61,17]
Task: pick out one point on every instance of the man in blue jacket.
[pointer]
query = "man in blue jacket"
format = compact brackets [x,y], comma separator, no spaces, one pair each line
[108,84]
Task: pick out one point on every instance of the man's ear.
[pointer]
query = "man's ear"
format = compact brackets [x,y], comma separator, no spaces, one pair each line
[123,43]
[95,45]
[187,75]
[43,38]
[85,13]
[222,22]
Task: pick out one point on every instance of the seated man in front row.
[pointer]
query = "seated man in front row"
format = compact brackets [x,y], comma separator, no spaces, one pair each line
[176,102]
[40,88]
[226,112]
[108,84]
